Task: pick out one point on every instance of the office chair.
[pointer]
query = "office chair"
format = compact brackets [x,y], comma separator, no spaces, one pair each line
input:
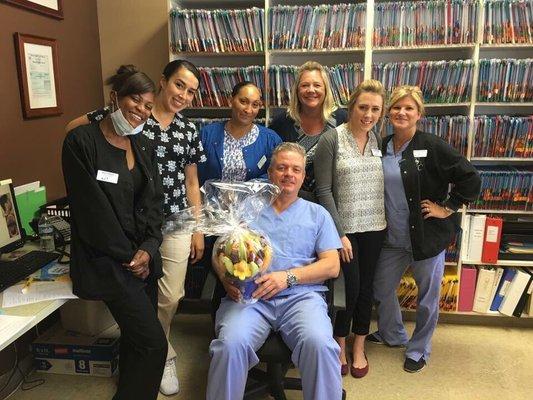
[274,352]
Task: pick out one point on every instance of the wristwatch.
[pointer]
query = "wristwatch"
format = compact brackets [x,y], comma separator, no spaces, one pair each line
[291,279]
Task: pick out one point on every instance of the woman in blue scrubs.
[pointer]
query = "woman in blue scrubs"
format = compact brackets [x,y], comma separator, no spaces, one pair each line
[420,208]
[238,149]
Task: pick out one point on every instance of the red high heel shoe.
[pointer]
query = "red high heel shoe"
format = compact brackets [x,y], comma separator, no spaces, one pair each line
[359,372]
[344,369]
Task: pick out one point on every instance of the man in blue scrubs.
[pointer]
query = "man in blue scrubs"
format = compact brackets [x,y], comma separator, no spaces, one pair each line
[290,295]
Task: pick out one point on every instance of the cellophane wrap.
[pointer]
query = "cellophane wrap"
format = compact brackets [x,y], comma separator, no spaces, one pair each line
[239,253]
[189,220]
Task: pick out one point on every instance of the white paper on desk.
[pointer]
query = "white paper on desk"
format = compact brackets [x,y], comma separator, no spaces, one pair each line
[38,291]
[10,325]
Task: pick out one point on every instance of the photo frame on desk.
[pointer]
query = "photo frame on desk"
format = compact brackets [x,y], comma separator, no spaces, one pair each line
[50,8]
[38,72]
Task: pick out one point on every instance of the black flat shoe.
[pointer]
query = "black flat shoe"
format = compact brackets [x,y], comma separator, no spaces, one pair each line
[413,366]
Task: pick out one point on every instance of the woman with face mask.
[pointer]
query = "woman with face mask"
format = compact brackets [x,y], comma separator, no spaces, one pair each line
[178,151]
[115,199]
[238,149]
[312,111]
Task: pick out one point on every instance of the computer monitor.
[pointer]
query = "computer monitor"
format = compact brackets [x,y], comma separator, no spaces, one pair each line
[11,237]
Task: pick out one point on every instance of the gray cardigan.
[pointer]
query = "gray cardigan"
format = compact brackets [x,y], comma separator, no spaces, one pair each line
[325,167]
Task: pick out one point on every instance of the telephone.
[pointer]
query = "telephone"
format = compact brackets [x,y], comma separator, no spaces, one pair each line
[60,226]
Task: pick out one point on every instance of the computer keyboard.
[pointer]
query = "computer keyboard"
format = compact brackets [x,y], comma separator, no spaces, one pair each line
[11,272]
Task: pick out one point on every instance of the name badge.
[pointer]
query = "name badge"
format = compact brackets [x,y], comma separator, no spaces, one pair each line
[420,153]
[106,176]
[376,152]
[261,162]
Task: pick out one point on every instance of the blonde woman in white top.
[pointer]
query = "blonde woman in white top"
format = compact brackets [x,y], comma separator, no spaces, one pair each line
[349,184]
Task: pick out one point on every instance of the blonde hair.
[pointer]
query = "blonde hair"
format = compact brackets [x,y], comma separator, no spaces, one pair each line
[288,146]
[367,86]
[412,91]
[328,106]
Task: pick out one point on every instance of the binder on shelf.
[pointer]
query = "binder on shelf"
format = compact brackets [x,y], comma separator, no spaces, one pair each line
[501,290]
[467,289]
[491,242]
[485,282]
[524,299]
[516,288]
[475,242]
[465,237]
[495,284]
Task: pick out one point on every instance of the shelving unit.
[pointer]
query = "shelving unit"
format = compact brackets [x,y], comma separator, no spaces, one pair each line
[482,211]
[368,55]
[504,263]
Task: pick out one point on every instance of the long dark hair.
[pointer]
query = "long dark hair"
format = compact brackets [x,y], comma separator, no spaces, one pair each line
[173,66]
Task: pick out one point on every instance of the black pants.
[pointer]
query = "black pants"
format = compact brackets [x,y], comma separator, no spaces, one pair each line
[359,277]
[219,292]
[143,345]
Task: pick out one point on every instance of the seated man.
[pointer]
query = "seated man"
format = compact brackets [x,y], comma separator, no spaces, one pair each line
[291,301]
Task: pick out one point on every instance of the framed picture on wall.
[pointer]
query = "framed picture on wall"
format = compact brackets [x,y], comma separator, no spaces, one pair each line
[38,72]
[52,8]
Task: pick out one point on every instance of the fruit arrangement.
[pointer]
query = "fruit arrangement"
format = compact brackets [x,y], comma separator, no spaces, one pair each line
[243,254]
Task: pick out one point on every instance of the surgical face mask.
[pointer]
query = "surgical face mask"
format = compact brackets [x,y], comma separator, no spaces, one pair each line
[121,124]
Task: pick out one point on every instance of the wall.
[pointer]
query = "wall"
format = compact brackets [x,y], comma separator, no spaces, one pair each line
[133,32]
[31,149]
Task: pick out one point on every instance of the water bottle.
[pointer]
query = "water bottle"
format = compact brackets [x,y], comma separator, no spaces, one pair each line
[46,233]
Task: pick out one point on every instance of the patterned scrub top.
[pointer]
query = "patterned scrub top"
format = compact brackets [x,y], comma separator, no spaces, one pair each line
[176,146]
[234,169]
[361,192]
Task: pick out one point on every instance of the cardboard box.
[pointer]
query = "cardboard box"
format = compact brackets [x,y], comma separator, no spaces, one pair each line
[86,317]
[59,351]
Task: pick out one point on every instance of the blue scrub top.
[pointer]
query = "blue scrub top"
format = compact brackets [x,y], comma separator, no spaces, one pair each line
[396,207]
[297,235]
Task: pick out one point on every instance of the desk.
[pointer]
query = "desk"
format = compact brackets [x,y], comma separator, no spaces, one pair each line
[38,312]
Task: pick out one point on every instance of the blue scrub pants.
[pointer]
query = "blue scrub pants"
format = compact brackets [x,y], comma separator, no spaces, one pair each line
[305,327]
[428,273]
